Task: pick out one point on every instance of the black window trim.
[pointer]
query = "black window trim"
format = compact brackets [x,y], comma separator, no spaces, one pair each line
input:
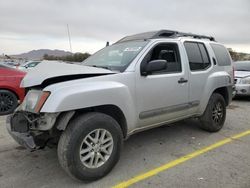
[209,58]
[150,51]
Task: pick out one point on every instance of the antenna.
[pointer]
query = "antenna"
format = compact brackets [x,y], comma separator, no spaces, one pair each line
[69,38]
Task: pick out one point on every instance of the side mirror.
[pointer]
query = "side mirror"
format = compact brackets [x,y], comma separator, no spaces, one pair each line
[154,66]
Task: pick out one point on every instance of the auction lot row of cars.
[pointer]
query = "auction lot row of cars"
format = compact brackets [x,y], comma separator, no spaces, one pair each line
[72,105]
[11,94]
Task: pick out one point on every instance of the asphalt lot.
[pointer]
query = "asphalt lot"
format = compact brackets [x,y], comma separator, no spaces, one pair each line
[225,166]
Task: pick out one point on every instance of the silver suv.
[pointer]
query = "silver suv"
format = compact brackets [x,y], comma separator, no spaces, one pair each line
[140,82]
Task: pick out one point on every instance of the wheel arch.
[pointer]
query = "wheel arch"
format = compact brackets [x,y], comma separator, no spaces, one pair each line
[112,110]
[224,92]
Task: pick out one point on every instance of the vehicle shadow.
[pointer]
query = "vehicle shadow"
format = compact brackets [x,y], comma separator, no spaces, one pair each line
[241,98]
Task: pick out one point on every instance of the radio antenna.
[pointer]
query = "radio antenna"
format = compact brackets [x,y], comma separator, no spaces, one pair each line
[69,38]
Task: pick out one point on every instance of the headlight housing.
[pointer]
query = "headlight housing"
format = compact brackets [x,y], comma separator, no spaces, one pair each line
[245,80]
[34,100]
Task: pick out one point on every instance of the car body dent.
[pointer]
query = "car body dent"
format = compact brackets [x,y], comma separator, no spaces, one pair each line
[53,69]
[113,89]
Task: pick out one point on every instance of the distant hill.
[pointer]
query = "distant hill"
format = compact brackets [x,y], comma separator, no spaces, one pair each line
[238,56]
[38,54]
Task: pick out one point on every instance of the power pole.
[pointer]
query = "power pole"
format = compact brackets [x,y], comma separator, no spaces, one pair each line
[69,38]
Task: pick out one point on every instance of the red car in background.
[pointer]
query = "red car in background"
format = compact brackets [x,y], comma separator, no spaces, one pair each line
[10,92]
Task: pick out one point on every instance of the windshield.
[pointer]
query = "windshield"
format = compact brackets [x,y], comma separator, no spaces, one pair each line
[116,57]
[242,66]
[31,64]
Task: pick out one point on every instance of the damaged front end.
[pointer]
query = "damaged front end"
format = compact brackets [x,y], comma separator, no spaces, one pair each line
[31,125]
[31,130]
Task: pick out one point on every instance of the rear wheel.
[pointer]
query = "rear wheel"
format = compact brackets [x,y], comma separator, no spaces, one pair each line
[90,146]
[215,114]
[8,102]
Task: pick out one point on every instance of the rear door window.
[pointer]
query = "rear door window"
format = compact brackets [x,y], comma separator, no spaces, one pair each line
[197,56]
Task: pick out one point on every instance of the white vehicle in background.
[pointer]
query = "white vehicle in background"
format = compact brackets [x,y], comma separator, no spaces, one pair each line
[12,64]
[242,78]
[28,65]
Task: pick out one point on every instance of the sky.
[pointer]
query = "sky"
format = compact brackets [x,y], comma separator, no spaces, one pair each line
[42,24]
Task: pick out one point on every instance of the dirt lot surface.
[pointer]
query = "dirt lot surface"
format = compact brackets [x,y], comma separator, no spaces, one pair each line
[224,166]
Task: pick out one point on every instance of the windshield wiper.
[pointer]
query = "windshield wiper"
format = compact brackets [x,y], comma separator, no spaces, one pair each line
[104,67]
[99,66]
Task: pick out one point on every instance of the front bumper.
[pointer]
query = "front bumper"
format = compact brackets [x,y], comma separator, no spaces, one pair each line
[23,138]
[242,89]
[24,127]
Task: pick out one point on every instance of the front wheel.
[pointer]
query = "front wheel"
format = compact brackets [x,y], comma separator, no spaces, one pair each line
[215,114]
[8,102]
[90,146]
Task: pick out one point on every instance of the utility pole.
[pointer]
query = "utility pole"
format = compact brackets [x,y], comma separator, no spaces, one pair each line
[69,38]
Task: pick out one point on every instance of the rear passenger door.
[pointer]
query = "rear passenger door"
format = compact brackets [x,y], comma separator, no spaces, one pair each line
[200,68]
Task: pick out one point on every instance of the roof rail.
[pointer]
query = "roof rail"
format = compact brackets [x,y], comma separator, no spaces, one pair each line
[180,34]
[163,34]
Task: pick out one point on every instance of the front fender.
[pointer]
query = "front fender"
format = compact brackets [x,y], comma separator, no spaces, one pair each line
[90,94]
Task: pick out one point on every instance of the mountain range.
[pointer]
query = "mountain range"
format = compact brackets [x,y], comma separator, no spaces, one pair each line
[38,54]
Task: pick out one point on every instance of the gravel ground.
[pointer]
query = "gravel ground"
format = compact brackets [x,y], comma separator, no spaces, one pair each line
[227,166]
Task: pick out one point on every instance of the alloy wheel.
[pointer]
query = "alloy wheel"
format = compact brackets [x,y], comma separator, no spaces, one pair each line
[217,114]
[96,148]
[6,102]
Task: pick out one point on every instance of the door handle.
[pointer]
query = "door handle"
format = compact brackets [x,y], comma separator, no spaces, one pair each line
[182,80]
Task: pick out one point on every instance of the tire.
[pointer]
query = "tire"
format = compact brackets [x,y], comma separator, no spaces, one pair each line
[215,114]
[74,138]
[8,102]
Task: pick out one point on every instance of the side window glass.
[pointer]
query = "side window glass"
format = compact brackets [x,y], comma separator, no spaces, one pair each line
[221,55]
[197,56]
[204,54]
[168,52]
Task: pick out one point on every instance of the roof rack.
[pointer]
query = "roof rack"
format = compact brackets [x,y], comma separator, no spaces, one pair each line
[163,34]
[195,36]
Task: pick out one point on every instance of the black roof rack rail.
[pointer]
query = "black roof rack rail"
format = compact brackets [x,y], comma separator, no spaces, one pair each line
[180,34]
[163,34]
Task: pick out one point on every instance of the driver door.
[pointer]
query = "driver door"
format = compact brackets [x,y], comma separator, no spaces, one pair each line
[163,95]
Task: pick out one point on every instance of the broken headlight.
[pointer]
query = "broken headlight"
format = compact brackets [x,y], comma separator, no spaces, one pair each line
[34,100]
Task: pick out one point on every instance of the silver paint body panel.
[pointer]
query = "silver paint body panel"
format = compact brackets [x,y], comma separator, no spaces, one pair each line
[146,101]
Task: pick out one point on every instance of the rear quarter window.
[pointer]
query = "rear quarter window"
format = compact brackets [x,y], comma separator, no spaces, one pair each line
[221,54]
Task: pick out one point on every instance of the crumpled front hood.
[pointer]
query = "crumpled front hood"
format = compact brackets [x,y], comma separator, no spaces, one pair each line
[241,74]
[57,70]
